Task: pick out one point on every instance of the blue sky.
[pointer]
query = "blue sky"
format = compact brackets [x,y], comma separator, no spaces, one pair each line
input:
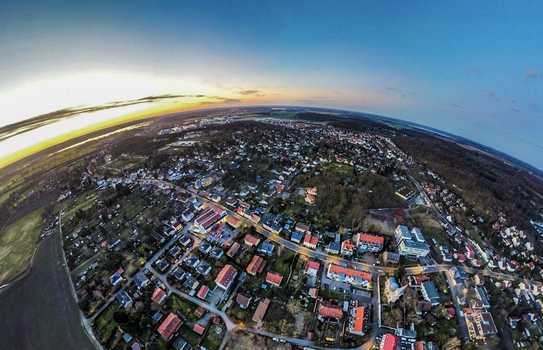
[474,69]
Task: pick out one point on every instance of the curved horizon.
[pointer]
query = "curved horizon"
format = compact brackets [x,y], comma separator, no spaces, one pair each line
[132,111]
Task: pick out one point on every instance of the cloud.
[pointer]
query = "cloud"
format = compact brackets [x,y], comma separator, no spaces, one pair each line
[400,92]
[456,105]
[249,92]
[533,74]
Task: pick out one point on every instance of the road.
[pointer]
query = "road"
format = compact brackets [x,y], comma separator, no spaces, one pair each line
[316,254]
[39,311]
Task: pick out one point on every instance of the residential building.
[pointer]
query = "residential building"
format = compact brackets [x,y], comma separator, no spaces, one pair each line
[261,309]
[169,326]
[255,266]
[329,311]
[226,276]
[430,293]
[274,278]
[159,296]
[251,240]
[367,242]
[389,342]
[357,320]
[312,268]
[310,241]
[348,275]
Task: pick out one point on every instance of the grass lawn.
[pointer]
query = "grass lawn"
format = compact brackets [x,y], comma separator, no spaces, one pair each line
[184,307]
[213,338]
[282,264]
[17,244]
[105,324]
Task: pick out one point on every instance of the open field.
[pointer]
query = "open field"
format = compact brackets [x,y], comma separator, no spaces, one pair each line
[42,311]
[17,244]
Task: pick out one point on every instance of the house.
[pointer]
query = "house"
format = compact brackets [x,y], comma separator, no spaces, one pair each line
[310,241]
[266,248]
[185,241]
[329,311]
[311,195]
[255,266]
[348,275]
[274,278]
[124,299]
[480,324]
[251,240]
[389,342]
[367,242]
[202,293]
[116,278]
[233,221]
[333,247]
[261,309]
[141,280]
[159,296]
[216,253]
[226,276]
[347,248]
[312,268]
[357,320]
[169,326]
[430,293]
[207,219]
[233,250]
[296,236]
[302,228]
[181,344]
[482,296]
[187,215]
[198,329]
[243,301]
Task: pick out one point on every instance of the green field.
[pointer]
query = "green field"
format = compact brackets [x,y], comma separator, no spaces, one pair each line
[17,244]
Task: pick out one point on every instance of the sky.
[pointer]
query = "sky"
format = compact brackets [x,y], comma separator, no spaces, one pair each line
[472,69]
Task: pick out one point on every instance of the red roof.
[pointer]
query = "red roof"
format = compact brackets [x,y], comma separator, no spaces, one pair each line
[169,326]
[202,293]
[158,295]
[274,278]
[226,276]
[311,240]
[358,314]
[261,310]
[256,265]
[198,328]
[347,245]
[208,218]
[233,221]
[251,240]
[366,237]
[330,311]
[337,269]
[389,342]
[233,249]
[312,265]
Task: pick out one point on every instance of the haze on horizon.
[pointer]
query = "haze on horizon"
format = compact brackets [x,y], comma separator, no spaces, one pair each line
[474,71]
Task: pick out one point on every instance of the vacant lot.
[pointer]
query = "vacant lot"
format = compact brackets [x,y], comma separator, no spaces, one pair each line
[253,342]
[17,244]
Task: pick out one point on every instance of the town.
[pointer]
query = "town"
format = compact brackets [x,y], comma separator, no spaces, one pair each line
[311,235]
